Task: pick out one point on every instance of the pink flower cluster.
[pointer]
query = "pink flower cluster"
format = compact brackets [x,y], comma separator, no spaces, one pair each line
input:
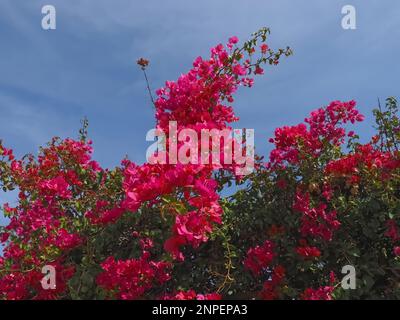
[130,279]
[294,143]
[192,295]
[259,258]
[366,156]
[20,285]
[59,192]
[41,221]
[196,101]
[308,252]
[271,288]
[104,212]
[315,221]
[152,182]
[392,232]
[322,293]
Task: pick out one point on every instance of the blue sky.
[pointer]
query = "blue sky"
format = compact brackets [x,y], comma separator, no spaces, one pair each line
[49,80]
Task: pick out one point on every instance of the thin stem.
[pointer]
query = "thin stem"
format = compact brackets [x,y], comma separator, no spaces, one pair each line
[148,87]
[384,127]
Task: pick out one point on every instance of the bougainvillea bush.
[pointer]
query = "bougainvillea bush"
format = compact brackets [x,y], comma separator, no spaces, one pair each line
[322,200]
